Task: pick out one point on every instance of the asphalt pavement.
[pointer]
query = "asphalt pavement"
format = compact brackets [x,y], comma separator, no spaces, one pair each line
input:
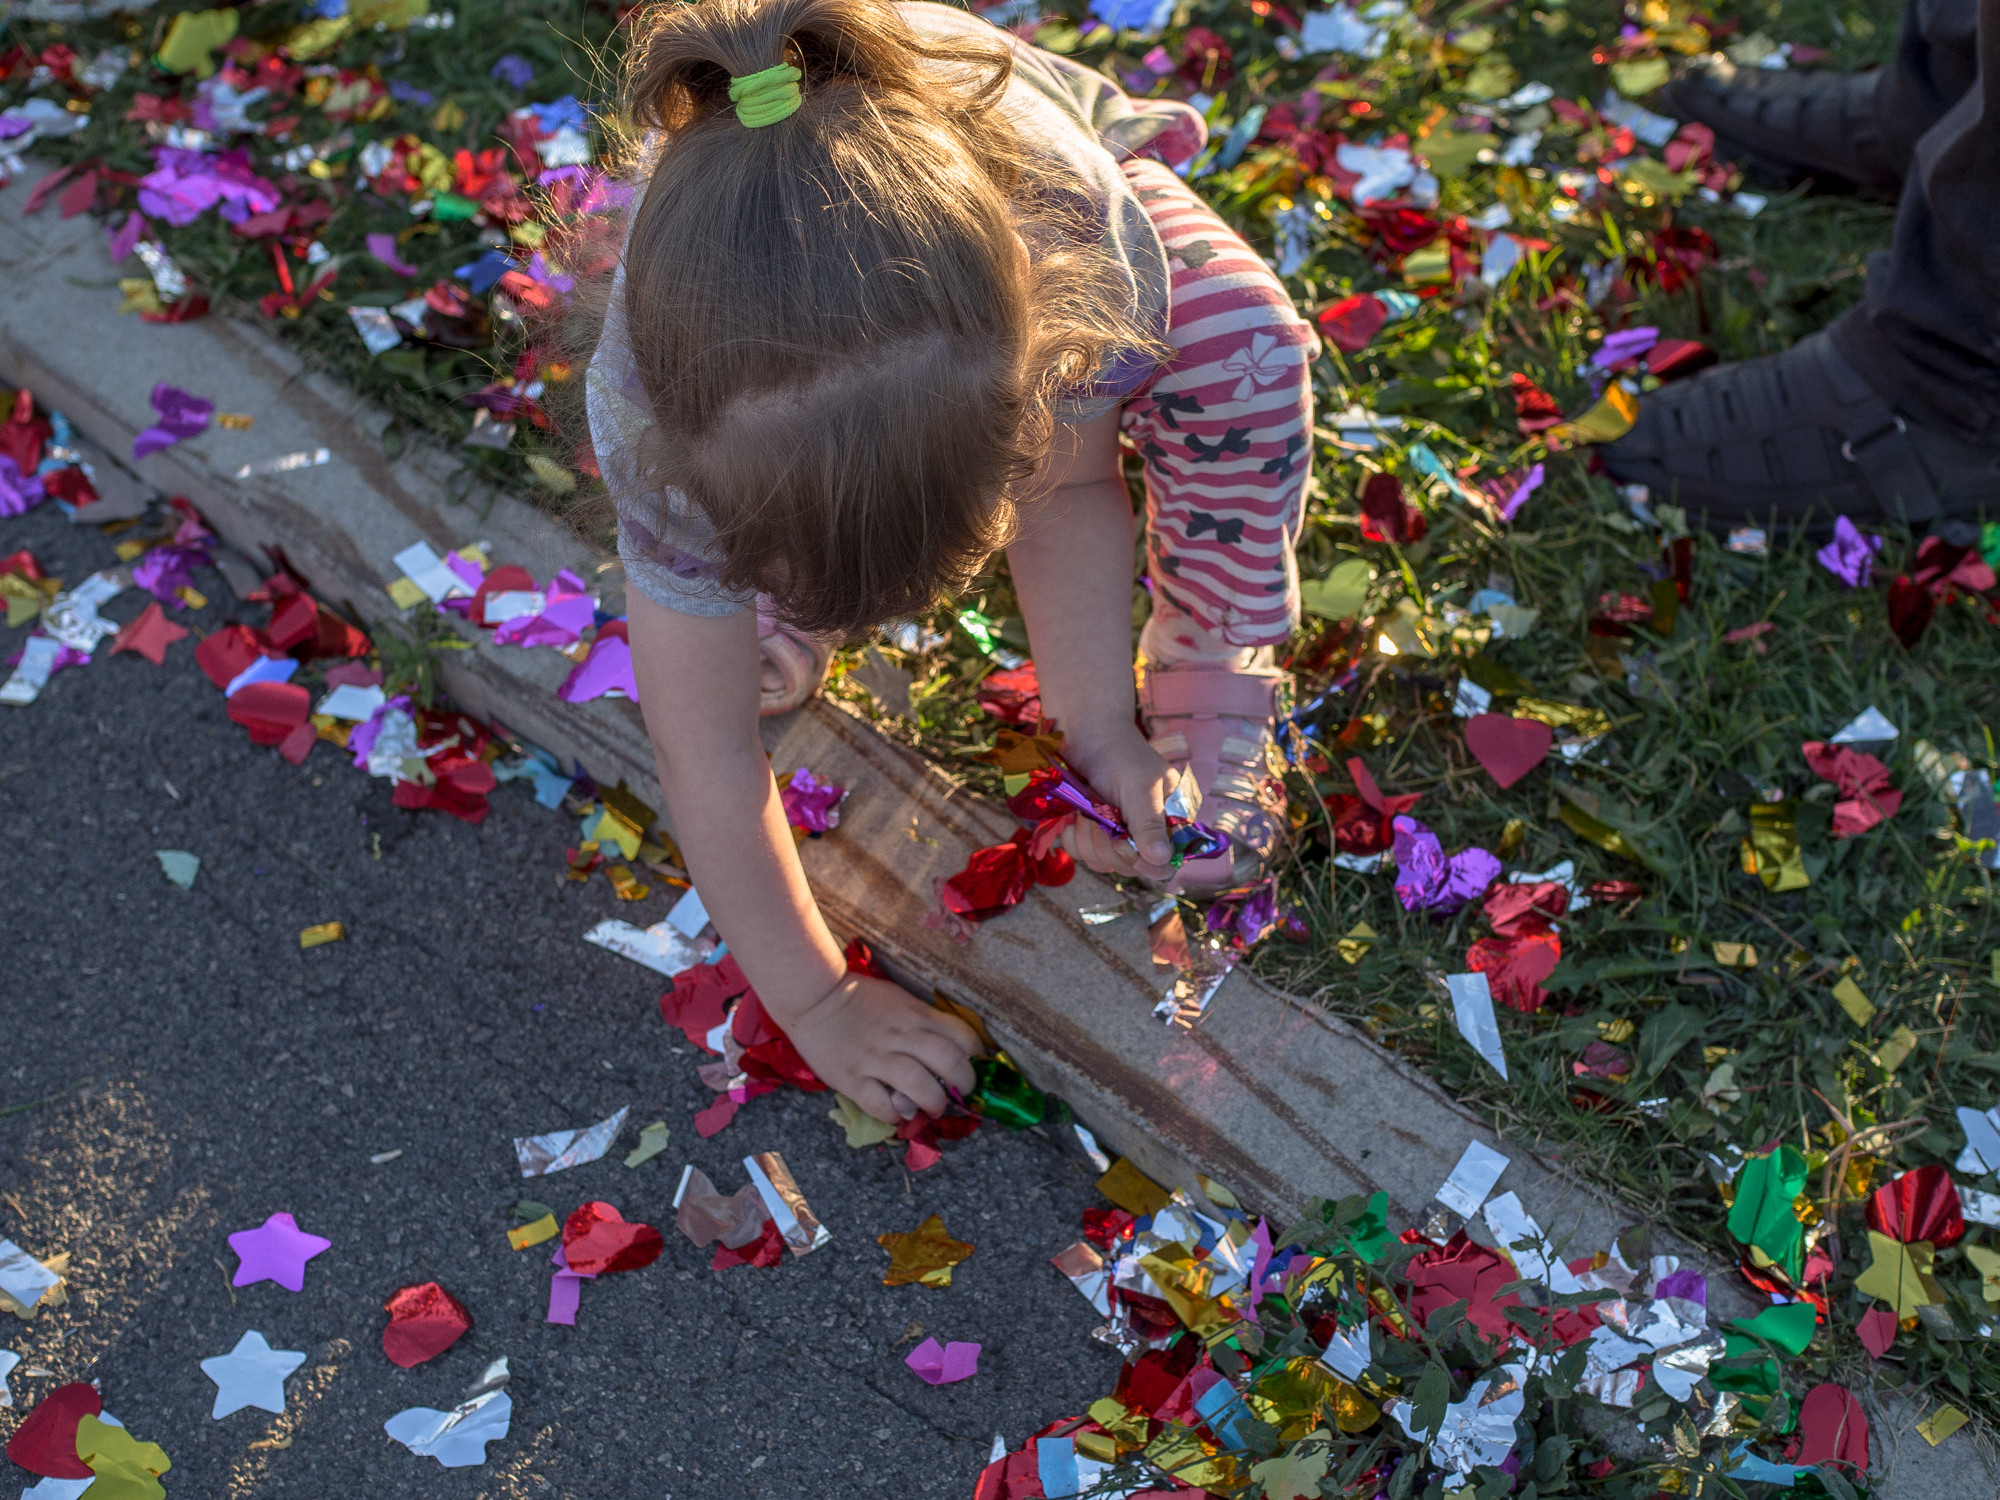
[175,1068]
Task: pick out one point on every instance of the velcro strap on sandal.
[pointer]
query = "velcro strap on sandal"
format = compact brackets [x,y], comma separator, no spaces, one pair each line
[1210,692]
[1895,475]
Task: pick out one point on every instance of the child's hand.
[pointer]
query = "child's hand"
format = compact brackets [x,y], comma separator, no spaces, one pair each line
[1129,774]
[877,1043]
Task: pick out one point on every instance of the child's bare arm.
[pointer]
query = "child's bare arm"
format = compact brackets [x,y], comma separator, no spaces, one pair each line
[1072,568]
[697,678]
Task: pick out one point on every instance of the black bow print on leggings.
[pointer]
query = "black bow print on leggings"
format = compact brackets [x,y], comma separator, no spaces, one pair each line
[1226,532]
[1236,440]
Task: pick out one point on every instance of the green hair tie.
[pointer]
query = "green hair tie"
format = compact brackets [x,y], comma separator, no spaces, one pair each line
[767,97]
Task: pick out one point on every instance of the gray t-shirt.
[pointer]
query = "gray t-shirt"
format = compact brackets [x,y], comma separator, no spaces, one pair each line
[1081,120]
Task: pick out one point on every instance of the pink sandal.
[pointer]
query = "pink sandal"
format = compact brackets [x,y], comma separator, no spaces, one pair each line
[791,665]
[1215,722]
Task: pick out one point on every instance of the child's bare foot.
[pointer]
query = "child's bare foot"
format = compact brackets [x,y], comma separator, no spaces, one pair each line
[873,1040]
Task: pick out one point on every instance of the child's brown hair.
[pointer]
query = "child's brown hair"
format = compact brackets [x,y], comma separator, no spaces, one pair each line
[851,359]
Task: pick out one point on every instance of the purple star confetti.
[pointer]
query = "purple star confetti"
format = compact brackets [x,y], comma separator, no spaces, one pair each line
[276,1251]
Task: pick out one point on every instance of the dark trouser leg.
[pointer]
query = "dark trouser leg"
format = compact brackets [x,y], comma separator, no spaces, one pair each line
[1928,335]
[1936,65]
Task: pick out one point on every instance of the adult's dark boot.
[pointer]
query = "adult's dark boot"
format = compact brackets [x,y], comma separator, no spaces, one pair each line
[1786,125]
[1793,440]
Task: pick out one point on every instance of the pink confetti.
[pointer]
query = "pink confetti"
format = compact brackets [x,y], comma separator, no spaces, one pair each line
[810,803]
[383,248]
[123,238]
[943,1366]
[565,1290]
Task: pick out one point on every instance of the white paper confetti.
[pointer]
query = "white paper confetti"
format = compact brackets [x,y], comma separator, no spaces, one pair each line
[285,463]
[351,702]
[1472,1179]
[659,947]
[31,673]
[1472,1006]
[1869,730]
[1982,1141]
[1514,1229]
[689,916]
[24,1278]
[251,1374]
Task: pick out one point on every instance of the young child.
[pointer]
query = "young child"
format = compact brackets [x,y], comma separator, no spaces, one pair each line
[895,286]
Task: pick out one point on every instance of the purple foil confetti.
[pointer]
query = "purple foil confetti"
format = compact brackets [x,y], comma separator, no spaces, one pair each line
[1850,556]
[607,669]
[18,491]
[566,612]
[1522,487]
[186,184]
[1427,881]
[810,803]
[1626,343]
[362,740]
[181,416]
[165,570]
[1689,1286]
[1248,915]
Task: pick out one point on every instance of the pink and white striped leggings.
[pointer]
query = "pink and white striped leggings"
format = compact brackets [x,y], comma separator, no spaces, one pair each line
[1225,428]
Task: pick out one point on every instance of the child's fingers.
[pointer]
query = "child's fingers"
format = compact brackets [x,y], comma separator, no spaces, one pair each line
[876,1101]
[916,1081]
[1149,827]
[943,1058]
[1093,847]
[956,1032]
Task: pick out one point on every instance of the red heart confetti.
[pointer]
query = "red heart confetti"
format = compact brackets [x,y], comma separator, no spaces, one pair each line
[424,1321]
[1509,748]
[597,1241]
[45,1442]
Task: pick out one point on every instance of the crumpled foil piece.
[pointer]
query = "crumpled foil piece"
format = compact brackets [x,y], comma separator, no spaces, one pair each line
[800,1227]
[542,1154]
[1086,1271]
[72,617]
[705,1216]
[1677,1371]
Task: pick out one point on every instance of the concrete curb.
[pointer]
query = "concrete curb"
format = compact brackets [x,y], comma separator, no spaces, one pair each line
[1267,1095]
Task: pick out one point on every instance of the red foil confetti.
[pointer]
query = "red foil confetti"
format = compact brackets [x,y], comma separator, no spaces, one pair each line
[597,1241]
[1922,1204]
[424,1321]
